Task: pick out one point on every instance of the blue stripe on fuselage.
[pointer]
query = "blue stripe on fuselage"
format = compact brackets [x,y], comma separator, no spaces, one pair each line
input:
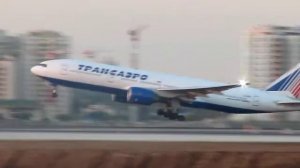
[85,86]
[217,107]
[195,104]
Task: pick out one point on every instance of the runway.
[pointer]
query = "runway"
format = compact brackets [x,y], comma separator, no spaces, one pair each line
[156,130]
[151,135]
[140,147]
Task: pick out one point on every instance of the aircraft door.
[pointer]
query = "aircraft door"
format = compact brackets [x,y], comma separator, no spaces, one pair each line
[255,100]
[110,79]
[64,69]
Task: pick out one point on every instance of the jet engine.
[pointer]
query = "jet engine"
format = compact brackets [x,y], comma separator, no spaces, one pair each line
[141,96]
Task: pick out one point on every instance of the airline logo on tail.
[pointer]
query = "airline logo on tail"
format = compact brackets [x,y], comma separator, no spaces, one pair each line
[289,81]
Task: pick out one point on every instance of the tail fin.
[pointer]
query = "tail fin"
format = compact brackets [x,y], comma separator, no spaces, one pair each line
[289,81]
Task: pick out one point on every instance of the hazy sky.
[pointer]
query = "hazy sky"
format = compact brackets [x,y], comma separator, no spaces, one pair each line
[200,38]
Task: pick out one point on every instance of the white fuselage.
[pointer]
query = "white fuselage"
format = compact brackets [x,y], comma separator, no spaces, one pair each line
[117,80]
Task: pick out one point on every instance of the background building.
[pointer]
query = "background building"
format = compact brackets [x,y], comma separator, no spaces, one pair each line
[9,45]
[7,78]
[271,51]
[9,52]
[38,46]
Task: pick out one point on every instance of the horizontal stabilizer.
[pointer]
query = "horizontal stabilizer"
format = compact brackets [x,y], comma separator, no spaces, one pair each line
[287,102]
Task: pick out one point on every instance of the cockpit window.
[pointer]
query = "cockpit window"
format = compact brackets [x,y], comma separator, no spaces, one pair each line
[42,65]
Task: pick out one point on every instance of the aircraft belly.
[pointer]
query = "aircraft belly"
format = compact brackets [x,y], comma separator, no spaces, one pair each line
[219,103]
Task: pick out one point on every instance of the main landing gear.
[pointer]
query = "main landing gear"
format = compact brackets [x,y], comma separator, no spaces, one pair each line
[170,111]
[170,114]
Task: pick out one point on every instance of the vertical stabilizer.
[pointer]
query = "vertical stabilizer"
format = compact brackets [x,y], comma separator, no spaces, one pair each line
[289,81]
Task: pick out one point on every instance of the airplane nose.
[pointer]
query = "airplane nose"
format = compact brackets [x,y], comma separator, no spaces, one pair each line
[34,70]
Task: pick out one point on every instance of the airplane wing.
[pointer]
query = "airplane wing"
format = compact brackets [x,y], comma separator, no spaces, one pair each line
[197,91]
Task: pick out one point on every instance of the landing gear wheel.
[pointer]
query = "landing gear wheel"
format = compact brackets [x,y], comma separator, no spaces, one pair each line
[180,118]
[54,93]
[170,113]
[160,112]
[172,116]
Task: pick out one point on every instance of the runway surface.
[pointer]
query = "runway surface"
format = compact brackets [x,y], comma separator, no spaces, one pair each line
[148,148]
[154,135]
[156,130]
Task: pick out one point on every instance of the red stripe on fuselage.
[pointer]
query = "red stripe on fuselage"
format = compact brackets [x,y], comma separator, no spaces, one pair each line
[297,91]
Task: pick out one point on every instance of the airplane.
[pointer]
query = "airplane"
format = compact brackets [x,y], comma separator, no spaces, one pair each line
[170,91]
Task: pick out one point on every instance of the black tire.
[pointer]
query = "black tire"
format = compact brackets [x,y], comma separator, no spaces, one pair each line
[160,112]
[54,94]
[180,118]
[172,116]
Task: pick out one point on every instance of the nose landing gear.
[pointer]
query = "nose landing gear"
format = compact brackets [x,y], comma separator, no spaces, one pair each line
[54,92]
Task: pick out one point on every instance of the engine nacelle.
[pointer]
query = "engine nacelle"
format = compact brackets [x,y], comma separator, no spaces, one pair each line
[141,96]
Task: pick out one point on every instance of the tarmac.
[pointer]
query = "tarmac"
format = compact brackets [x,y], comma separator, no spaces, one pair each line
[152,135]
[148,148]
